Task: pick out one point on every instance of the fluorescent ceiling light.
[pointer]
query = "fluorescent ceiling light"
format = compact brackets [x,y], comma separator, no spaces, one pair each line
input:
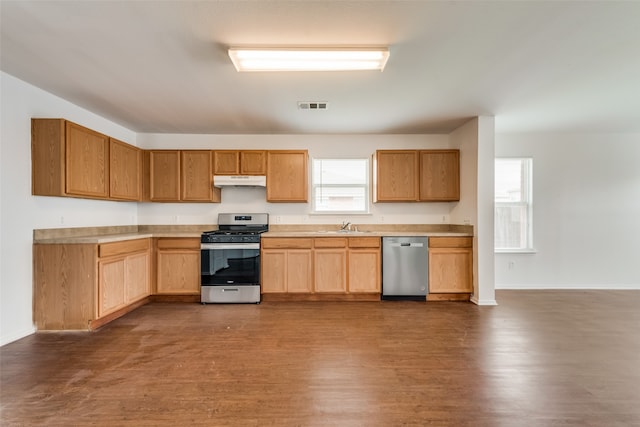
[313,59]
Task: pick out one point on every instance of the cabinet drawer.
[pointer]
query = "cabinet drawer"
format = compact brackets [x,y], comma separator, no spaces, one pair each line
[179,243]
[124,247]
[364,242]
[330,242]
[451,242]
[286,243]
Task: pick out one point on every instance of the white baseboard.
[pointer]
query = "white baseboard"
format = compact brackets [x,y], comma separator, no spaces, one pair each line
[16,336]
[483,301]
[564,287]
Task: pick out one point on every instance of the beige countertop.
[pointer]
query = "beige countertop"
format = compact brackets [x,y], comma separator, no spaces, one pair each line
[109,238]
[98,235]
[378,233]
[373,230]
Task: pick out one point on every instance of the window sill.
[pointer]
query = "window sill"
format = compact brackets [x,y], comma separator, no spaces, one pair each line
[516,251]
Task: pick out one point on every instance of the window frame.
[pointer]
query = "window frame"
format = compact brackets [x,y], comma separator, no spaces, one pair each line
[526,202]
[366,186]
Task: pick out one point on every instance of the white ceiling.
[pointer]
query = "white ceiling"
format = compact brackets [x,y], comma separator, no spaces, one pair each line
[161,66]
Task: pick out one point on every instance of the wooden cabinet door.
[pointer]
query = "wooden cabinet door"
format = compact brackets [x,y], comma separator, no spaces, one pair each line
[196,176]
[111,285]
[65,283]
[364,270]
[48,175]
[70,160]
[137,281]
[439,175]
[330,266]
[77,285]
[125,171]
[164,170]
[274,270]
[87,162]
[178,272]
[450,270]
[396,178]
[287,176]
[299,278]
[286,270]
[226,162]
[246,162]
[253,162]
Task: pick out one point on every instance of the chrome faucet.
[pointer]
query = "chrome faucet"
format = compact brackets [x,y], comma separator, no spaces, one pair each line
[346,226]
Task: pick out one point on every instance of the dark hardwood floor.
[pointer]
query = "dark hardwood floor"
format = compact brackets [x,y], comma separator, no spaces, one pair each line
[540,358]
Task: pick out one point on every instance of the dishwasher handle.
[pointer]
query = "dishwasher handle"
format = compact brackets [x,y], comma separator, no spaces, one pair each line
[407,245]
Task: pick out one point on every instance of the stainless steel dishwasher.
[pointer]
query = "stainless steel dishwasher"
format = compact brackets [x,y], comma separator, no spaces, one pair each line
[405,267]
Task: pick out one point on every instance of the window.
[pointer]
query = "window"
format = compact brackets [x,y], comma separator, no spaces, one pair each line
[340,185]
[513,205]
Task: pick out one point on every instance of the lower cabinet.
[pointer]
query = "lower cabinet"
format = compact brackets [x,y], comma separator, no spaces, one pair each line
[450,265]
[286,266]
[364,265]
[111,292]
[137,277]
[321,265]
[330,264]
[178,266]
[83,286]
[122,280]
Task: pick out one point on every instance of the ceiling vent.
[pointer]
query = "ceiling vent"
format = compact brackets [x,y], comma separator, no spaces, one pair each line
[313,105]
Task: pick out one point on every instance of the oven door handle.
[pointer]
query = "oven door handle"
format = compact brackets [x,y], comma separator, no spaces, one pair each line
[220,246]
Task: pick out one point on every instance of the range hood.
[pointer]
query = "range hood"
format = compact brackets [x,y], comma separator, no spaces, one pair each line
[239,181]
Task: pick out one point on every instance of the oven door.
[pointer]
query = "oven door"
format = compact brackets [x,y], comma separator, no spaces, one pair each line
[230,264]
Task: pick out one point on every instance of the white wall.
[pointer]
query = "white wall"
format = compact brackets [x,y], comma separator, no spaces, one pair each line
[476,145]
[254,200]
[21,212]
[465,138]
[586,212]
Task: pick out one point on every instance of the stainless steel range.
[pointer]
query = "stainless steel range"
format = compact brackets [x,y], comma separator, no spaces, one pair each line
[230,259]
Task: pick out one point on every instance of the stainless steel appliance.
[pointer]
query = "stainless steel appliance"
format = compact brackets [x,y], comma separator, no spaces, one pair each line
[230,259]
[405,267]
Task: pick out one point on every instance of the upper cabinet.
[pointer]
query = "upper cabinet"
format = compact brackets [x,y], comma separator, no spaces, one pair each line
[164,175]
[417,176]
[196,177]
[234,162]
[396,178]
[253,162]
[70,160]
[226,162]
[180,176]
[87,162]
[125,172]
[439,175]
[287,176]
